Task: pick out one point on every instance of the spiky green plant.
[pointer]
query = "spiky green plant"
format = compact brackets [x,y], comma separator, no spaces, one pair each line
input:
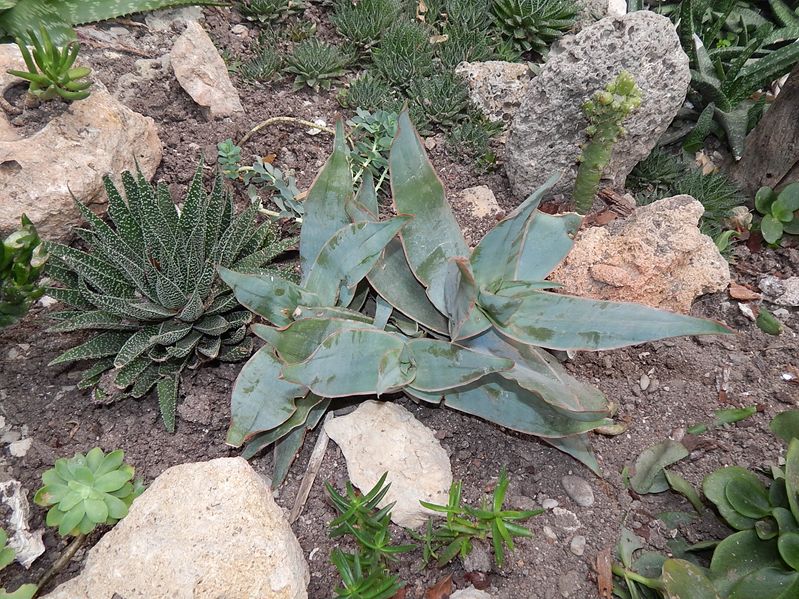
[532,25]
[263,66]
[22,258]
[86,491]
[471,139]
[472,15]
[363,22]
[403,305]
[716,192]
[17,17]
[654,177]
[464,44]
[147,286]
[404,54]
[725,95]
[269,11]
[316,64]
[370,92]
[51,72]
[606,112]
[442,97]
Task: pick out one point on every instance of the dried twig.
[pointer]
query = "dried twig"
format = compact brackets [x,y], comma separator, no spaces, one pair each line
[284,119]
[314,463]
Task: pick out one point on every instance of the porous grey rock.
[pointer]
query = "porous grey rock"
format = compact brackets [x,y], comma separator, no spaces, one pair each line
[200,531]
[496,87]
[593,10]
[578,489]
[383,437]
[470,593]
[202,73]
[40,171]
[164,20]
[657,256]
[549,127]
[783,292]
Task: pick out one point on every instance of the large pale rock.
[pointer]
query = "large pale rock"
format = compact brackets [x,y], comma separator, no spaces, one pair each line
[656,256]
[208,530]
[496,87]
[202,73]
[549,128]
[39,172]
[593,10]
[383,437]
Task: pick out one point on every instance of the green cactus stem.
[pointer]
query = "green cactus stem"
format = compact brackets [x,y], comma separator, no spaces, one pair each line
[606,112]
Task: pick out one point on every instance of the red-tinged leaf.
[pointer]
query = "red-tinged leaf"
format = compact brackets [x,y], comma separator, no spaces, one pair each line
[441,589]
[743,293]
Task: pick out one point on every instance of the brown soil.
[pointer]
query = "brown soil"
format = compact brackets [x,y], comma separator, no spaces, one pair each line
[43,403]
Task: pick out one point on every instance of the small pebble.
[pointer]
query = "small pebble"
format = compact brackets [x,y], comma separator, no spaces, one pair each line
[550,534]
[577,546]
[20,448]
[240,30]
[644,382]
[549,504]
[578,489]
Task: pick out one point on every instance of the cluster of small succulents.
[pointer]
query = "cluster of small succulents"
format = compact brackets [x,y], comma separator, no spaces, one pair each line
[316,64]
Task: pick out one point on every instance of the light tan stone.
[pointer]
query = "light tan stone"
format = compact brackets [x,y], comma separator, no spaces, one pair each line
[203,74]
[657,256]
[481,200]
[496,87]
[39,172]
[208,530]
[383,437]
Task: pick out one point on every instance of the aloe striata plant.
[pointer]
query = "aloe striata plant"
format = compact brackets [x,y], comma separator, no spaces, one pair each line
[402,305]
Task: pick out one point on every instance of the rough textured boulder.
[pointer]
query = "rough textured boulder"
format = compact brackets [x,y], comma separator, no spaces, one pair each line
[40,171]
[383,437]
[203,74]
[549,127]
[656,256]
[496,87]
[207,530]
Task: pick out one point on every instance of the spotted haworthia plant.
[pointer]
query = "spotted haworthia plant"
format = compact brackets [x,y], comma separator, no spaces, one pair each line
[402,305]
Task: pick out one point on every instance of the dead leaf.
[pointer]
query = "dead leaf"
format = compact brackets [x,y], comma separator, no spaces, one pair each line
[742,292]
[440,590]
[400,594]
[438,39]
[601,218]
[604,579]
[479,580]
[269,158]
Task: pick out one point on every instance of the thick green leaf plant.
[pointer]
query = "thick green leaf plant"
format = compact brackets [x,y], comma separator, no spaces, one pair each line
[403,305]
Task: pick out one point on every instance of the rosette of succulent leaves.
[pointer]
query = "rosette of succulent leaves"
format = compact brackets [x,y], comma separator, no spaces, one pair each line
[17,17]
[148,289]
[401,305]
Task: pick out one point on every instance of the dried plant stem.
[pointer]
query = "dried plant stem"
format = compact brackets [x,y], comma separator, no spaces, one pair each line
[62,561]
[284,119]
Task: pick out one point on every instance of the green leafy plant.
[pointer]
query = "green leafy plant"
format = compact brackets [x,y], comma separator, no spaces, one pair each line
[363,22]
[263,66]
[532,25]
[443,98]
[86,491]
[315,63]
[22,258]
[228,158]
[606,112]
[465,524]
[725,94]
[365,573]
[404,54]
[780,212]
[419,313]
[26,591]
[464,45]
[471,139]
[17,17]
[147,286]
[51,72]
[269,11]
[370,92]
[372,135]
[759,559]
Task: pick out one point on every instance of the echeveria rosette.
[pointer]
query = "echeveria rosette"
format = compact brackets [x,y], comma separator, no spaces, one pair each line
[87,490]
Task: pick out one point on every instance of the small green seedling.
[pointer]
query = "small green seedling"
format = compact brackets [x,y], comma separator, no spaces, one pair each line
[780,212]
[364,574]
[26,591]
[464,524]
[85,491]
[51,73]
[22,258]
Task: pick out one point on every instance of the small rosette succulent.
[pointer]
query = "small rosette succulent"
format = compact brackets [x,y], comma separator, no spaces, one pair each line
[85,491]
